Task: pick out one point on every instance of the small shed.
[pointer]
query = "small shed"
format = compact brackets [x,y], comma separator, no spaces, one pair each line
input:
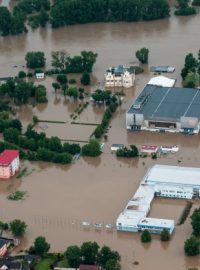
[149,149]
[162,81]
[39,76]
[115,147]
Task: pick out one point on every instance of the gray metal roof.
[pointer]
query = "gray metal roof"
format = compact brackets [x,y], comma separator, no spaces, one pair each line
[169,103]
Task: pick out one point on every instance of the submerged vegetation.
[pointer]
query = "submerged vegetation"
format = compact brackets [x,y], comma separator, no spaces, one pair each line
[17,196]
[37,13]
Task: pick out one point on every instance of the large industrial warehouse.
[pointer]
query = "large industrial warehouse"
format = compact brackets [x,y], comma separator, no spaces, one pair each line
[164,181]
[170,109]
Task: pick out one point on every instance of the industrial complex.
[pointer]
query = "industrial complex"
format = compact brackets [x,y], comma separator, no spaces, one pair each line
[165,109]
[164,181]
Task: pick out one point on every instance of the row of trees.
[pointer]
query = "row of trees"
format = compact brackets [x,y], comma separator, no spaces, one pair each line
[37,146]
[191,71]
[22,91]
[91,254]
[101,129]
[62,63]
[146,236]
[192,244]
[33,11]
[11,24]
[16,226]
[67,12]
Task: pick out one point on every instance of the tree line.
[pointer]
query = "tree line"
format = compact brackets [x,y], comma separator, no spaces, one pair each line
[192,244]
[21,91]
[67,12]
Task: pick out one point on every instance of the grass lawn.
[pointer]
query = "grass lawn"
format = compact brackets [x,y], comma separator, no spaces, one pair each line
[44,264]
[63,263]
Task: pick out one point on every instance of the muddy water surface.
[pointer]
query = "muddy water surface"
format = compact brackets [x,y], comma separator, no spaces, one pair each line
[96,190]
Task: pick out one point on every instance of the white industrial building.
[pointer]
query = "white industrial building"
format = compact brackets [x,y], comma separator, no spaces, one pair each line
[163,181]
[119,76]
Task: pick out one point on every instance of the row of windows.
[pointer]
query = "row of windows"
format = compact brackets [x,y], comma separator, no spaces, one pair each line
[171,191]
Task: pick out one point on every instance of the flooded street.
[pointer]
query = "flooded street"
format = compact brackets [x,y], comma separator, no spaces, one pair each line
[96,190]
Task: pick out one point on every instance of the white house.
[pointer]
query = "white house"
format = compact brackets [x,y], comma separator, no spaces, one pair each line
[119,76]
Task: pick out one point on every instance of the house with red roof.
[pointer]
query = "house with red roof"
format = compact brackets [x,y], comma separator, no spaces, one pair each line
[9,163]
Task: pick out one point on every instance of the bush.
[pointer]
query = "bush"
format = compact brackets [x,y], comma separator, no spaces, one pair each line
[85,79]
[99,131]
[61,78]
[185,11]
[72,81]
[146,236]
[191,246]
[165,236]
[21,74]
[18,227]
[143,55]
[92,149]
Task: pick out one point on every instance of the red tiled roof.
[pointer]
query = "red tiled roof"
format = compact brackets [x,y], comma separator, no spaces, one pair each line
[7,156]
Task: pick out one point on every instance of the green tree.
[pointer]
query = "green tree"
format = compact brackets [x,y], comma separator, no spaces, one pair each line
[55,144]
[190,65]
[165,236]
[40,94]
[92,149]
[73,256]
[23,92]
[41,247]
[146,236]
[184,8]
[56,86]
[143,55]
[73,148]
[106,254]
[59,59]
[15,123]
[11,135]
[196,2]
[61,78]
[88,60]
[195,222]
[191,246]
[89,251]
[85,79]
[191,80]
[5,21]
[72,92]
[35,59]
[112,265]
[21,74]
[18,227]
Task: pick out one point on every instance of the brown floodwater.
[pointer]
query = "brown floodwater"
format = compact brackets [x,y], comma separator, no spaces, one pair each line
[96,190]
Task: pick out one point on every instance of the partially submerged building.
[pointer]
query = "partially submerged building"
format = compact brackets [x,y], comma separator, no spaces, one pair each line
[9,163]
[165,109]
[163,181]
[119,76]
